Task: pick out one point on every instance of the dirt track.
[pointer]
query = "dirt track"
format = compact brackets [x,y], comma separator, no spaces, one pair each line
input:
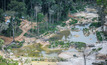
[25,26]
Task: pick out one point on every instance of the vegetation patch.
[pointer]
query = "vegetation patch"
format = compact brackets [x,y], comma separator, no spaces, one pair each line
[43,28]
[55,44]
[105,35]
[9,31]
[7,62]
[61,44]
[94,19]
[96,50]
[60,35]
[78,8]
[63,24]
[99,37]
[86,32]
[74,21]
[34,50]
[16,44]
[1,43]
[79,45]
[75,29]
[58,59]
[29,35]
[95,24]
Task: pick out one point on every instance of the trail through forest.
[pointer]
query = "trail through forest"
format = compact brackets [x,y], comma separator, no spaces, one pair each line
[25,26]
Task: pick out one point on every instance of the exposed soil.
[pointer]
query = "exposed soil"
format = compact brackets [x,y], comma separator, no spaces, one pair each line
[25,26]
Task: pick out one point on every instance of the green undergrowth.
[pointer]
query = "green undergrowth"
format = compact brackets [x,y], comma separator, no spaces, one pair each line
[7,61]
[44,28]
[77,45]
[105,35]
[16,44]
[78,8]
[99,37]
[86,32]
[74,21]
[96,50]
[34,50]
[59,35]
[75,29]
[94,19]
[95,24]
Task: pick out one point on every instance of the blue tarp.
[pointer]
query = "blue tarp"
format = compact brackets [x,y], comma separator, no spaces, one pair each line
[8,21]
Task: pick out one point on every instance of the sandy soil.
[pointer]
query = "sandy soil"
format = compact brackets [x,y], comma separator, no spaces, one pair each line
[7,40]
[67,55]
[43,63]
[1,53]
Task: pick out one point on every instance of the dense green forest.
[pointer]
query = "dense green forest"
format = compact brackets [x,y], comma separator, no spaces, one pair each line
[55,10]
[52,12]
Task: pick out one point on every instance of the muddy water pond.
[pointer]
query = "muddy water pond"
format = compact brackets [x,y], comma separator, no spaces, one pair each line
[87,37]
[36,50]
[59,36]
[77,33]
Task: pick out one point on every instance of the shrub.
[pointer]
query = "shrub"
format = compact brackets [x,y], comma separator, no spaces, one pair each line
[94,19]
[79,45]
[7,62]
[75,29]
[86,29]
[25,34]
[95,24]
[74,21]
[96,50]
[63,24]
[99,37]
[55,44]
[20,44]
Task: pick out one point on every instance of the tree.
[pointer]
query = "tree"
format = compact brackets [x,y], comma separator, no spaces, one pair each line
[3,4]
[37,9]
[3,26]
[40,17]
[13,27]
[18,7]
[84,56]
[50,15]
[49,3]
[1,43]
[1,16]
[102,5]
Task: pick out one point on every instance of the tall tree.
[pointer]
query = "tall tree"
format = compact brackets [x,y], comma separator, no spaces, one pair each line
[1,16]
[102,5]
[36,12]
[3,26]
[19,7]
